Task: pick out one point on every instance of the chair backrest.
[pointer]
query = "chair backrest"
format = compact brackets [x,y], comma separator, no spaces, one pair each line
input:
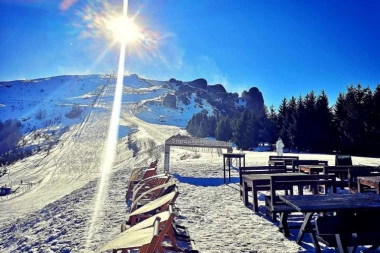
[160,204]
[154,193]
[153,164]
[260,170]
[149,183]
[132,239]
[287,183]
[296,163]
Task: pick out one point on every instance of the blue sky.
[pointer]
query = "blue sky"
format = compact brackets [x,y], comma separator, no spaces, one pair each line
[285,48]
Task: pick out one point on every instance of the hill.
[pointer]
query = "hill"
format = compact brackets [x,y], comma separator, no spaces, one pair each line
[46,107]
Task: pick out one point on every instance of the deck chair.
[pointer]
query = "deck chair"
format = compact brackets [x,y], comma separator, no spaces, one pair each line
[158,205]
[136,176]
[145,240]
[147,237]
[152,194]
[175,232]
[149,183]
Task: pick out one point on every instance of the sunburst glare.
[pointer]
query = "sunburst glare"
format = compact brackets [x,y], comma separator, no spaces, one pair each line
[124,30]
[102,20]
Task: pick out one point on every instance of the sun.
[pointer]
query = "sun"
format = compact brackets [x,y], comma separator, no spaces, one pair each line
[125,30]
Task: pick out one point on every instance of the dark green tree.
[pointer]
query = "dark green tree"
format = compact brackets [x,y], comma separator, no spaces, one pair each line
[353,118]
[246,131]
[223,131]
[323,128]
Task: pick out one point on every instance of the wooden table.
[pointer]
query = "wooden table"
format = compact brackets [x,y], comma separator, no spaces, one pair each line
[310,204]
[227,158]
[259,182]
[372,181]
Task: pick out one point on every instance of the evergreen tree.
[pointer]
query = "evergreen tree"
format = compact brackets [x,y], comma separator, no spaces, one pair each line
[323,131]
[352,117]
[267,131]
[281,121]
[223,130]
[291,122]
[310,121]
[301,134]
[375,122]
[246,131]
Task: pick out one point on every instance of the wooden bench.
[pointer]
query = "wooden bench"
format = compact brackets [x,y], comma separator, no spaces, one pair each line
[297,163]
[285,185]
[281,160]
[256,170]
[349,230]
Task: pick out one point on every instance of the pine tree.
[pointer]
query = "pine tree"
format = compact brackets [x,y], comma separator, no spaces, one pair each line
[223,130]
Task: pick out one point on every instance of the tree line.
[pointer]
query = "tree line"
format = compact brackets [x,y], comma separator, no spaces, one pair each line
[305,124]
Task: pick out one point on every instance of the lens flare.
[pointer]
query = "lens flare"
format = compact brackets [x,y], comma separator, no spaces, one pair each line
[110,145]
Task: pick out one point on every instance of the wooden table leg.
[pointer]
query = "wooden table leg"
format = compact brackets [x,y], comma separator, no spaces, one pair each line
[224,169]
[255,200]
[284,227]
[245,193]
[305,227]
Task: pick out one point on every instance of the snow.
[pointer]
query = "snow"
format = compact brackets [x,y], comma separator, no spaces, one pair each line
[54,208]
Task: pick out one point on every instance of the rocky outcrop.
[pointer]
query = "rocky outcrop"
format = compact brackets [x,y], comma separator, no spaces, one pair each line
[199,83]
[170,101]
[254,99]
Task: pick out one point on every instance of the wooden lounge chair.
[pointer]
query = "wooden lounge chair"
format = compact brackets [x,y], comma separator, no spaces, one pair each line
[136,176]
[149,183]
[145,240]
[152,194]
[158,205]
[147,237]
[175,232]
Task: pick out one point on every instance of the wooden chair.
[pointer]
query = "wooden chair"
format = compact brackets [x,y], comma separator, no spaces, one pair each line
[349,230]
[137,175]
[158,205]
[146,184]
[175,232]
[145,240]
[152,194]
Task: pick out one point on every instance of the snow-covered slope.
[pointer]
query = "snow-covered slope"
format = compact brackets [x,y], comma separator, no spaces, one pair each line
[46,102]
